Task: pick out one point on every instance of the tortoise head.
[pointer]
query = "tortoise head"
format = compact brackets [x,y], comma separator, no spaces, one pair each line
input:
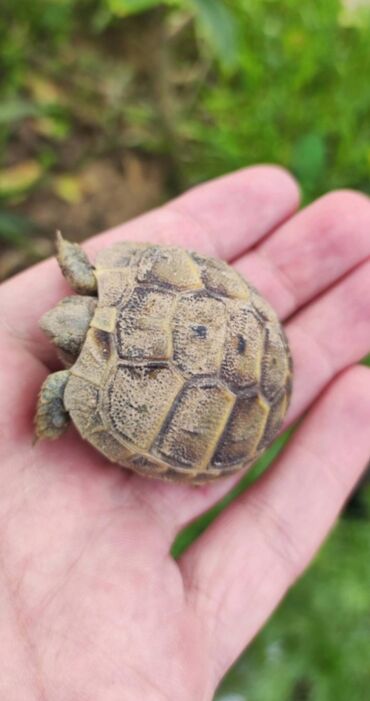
[67,323]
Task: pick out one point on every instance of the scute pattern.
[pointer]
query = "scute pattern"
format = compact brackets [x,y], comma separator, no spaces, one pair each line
[275,362]
[116,288]
[220,279]
[199,327]
[166,266]
[91,364]
[244,431]
[241,364]
[194,380]
[199,416]
[275,417]
[144,325]
[137,400]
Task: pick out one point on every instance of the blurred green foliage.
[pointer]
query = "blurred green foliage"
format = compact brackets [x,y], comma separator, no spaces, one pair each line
[275,80]
[299,97]
[222,85]
[214,18]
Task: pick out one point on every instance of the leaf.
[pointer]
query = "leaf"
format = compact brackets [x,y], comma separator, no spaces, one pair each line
[124,8]
[221,29]
[19,177]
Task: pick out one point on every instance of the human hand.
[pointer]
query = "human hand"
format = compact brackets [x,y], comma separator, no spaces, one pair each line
[93,607]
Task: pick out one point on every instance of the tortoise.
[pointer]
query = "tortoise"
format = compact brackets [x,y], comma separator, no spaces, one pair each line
[175,366]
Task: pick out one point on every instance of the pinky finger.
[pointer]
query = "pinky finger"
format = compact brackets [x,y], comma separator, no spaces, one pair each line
[238,571]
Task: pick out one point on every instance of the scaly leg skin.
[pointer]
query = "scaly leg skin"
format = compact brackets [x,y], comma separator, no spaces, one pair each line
[51,418]
[67,324]
[75,266]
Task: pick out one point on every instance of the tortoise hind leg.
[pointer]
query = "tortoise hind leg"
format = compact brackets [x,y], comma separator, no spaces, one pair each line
[75,266]
[51,418]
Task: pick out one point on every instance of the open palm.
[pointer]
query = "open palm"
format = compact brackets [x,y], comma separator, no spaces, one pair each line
[93,607]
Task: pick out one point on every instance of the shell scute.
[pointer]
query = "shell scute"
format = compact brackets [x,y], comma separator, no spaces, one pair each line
[115,286]
[241,364]
[199,331]
[220,279]
[144,325]
[197,421]
[168,266]
[275,419]
[137,400]
[91,364]
[122,254]
[244,431]
[275,370]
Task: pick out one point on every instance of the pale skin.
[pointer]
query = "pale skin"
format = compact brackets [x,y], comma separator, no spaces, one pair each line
[92,605]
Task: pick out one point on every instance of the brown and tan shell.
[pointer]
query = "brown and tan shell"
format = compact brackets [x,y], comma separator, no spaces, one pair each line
[185,372]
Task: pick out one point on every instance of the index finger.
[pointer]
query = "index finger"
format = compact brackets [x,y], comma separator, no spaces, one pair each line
[222,218]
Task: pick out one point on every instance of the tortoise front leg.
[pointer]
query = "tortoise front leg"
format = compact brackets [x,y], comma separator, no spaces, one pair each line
[75,266]
[51,418]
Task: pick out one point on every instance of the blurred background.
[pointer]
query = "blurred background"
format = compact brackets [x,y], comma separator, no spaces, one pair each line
[110,107]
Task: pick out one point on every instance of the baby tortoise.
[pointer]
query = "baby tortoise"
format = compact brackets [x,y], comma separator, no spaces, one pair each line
[176,367]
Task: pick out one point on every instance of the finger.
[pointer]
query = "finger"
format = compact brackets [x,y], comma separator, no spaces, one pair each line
[221,218]
[239,209]
[328,336]
[240,568]
[311,251]
[174,505]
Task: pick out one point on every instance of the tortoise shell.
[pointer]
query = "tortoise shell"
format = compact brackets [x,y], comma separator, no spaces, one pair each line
[185,371]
